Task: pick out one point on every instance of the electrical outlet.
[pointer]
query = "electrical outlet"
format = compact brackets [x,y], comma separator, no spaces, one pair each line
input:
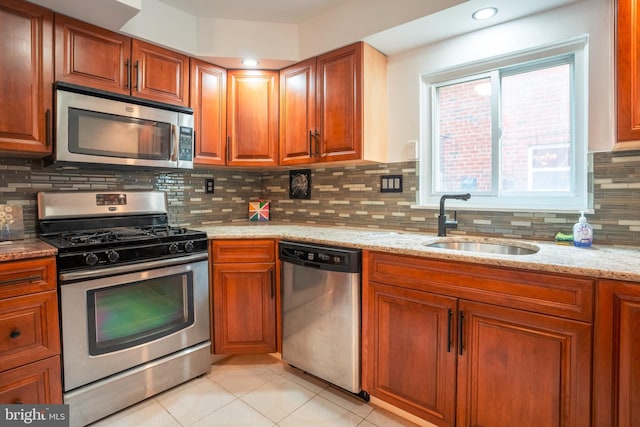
[208,185]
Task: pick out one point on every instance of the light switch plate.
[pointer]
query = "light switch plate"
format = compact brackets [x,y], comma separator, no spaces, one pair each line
[391,184]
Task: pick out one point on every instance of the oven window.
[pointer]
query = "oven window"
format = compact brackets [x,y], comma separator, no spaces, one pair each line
[101,134]
[124,316]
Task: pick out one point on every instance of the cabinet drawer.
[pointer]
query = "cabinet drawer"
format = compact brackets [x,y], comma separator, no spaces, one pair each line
[35,383]
[251,250]
[27,276]
[28,329]
[559,295]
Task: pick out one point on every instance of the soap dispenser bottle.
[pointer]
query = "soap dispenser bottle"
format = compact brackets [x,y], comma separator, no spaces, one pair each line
[582,233]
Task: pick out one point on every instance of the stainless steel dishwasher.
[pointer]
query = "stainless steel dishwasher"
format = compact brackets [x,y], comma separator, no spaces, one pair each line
[321,312]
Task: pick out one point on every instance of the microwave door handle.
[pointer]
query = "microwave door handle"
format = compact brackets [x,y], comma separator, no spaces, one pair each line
[174,150]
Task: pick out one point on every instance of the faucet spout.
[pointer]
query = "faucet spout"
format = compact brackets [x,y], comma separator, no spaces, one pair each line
[443,224]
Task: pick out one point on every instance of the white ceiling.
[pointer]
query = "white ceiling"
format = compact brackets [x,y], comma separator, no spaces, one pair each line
[282,11]
[419,30]
[280,32]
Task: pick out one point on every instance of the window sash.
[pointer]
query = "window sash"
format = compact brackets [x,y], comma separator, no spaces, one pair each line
[573,52]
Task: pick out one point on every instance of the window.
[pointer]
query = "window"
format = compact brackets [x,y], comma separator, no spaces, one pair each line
[512,132]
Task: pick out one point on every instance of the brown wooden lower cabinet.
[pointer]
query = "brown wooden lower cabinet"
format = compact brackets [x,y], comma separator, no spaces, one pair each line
[617,355]
[521,368]
[244,296]
[29,332]
[38,382]
[454,361]
[410,361]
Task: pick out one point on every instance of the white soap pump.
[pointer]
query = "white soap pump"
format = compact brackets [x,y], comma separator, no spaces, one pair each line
[582,232]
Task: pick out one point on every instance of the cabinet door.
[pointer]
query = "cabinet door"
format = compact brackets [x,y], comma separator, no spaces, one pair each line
[209,103]
[159,74]
[617,355]
[91,56]
[244,308]
[26,76]
[628,75]
[409,354]
[252,118]
[35,383]
[298,142]
[521,368]
[339,88]
[28,328]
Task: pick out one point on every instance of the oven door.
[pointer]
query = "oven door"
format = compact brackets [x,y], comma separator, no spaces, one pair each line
[114,323]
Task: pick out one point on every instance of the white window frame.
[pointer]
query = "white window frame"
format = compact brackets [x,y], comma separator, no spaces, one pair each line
[546,201]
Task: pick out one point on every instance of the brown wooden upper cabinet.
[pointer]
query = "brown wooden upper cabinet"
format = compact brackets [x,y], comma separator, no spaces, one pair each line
[209,103]
[26,74]
[333,107]
[252,118]
[91,56]
[628,75]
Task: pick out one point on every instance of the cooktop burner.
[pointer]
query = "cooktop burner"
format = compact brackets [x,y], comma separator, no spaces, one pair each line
[133,227]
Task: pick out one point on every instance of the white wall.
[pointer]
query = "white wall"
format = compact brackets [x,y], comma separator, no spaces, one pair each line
[592,17]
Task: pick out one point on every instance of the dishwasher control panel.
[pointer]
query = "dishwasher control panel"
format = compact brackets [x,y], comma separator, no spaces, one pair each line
[323,257]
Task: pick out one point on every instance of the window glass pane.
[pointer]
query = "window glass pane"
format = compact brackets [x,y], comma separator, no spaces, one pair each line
[536,130]
[462,158]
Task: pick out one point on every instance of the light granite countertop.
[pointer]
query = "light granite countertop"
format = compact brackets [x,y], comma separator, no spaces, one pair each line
[24,249]
[612,262]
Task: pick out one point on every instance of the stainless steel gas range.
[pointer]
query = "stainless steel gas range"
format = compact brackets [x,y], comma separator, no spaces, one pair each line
[134,298]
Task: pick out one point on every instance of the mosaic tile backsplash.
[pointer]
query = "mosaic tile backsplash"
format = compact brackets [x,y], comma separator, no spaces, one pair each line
[346,195]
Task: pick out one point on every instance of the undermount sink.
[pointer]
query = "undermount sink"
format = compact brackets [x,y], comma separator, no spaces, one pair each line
[485,246]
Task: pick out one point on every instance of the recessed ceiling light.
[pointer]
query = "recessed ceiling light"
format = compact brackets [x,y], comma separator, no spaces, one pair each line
[250,62]
[484,13]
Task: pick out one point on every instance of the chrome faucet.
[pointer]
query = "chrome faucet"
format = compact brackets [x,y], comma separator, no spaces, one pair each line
[443,224]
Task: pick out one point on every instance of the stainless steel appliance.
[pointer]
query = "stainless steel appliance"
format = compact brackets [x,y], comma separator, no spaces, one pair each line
[321,310]
[102,128]
[134,298]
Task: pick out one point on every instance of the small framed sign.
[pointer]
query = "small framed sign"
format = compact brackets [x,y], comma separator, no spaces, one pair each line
[11,223]
[300,184]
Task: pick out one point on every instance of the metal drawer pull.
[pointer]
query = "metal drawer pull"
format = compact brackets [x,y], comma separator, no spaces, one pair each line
[21,279]
[14,334]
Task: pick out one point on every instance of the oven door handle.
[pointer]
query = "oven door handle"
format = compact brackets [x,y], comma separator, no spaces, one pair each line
[130,268]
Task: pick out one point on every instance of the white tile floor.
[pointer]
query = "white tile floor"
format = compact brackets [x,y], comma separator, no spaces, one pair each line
[253,391]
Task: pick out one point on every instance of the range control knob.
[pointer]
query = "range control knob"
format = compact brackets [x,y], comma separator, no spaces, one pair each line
[173,248]
[113,256]
[91,259]
[188,247]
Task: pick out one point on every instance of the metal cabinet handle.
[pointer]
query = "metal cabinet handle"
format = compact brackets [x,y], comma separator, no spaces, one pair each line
[14,333]
[310,143]
[460,329]
[126,64]
[228,148]
[47,127]
[137,67]
[449,321]
[317,135]
[273,289]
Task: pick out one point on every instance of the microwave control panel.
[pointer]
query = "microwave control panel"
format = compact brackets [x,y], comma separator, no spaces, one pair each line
[185,144]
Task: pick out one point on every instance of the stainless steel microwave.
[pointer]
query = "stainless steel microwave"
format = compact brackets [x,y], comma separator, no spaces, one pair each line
[101,128]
